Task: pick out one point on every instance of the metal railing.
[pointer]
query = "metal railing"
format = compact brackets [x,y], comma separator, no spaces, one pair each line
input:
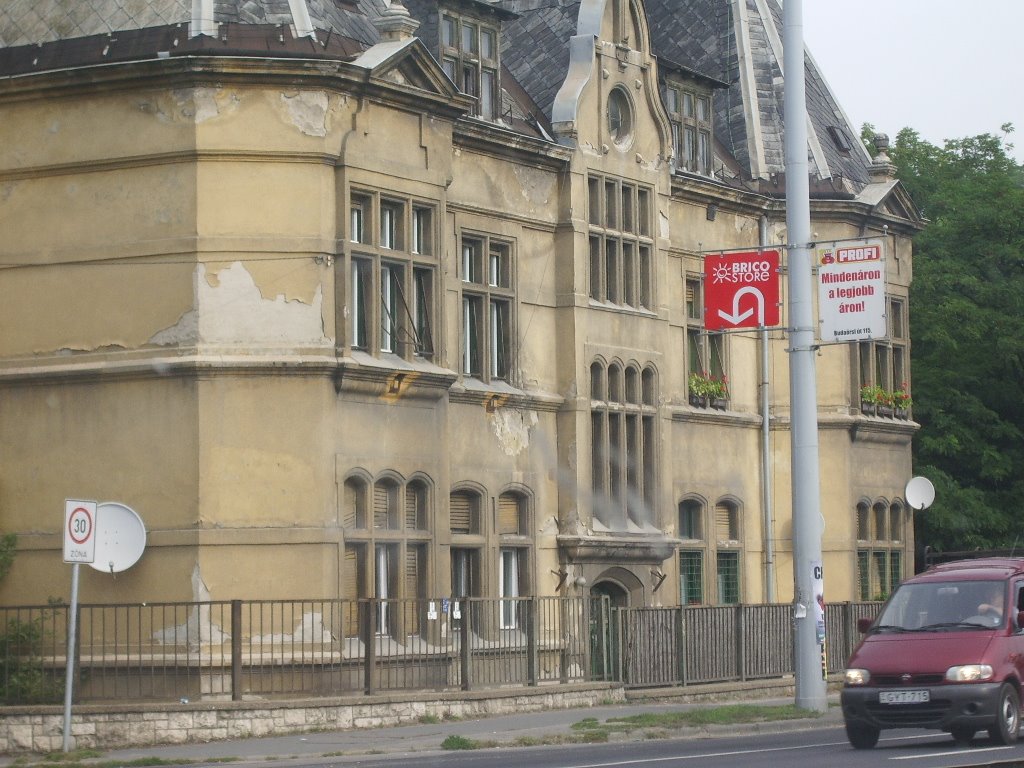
[282,648]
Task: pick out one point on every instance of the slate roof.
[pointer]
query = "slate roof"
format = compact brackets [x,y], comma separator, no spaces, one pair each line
[701,35]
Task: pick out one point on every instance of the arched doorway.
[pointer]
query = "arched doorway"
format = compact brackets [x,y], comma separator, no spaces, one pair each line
[617,595]
[620,585]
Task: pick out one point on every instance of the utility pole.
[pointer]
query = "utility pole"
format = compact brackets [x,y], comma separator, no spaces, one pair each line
[807,519]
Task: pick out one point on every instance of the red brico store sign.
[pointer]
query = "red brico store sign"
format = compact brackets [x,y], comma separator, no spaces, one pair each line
[741,290]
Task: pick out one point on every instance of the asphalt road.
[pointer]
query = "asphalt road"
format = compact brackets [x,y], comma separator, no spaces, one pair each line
[826,746]
[818,742]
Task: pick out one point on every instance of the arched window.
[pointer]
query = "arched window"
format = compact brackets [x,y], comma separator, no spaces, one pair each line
[386,526]
[727,556]
[880,548]
[692,552]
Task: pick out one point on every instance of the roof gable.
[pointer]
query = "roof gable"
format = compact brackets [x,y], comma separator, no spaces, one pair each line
[407,64]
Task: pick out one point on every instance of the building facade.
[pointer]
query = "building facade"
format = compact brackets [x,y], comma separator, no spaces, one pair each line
[349,298]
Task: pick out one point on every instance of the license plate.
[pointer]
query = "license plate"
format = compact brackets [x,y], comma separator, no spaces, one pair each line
[903,697]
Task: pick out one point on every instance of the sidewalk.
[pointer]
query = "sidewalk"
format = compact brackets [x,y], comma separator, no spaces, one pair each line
[408,739]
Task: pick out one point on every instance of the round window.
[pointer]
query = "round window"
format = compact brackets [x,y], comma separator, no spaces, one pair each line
[620,116]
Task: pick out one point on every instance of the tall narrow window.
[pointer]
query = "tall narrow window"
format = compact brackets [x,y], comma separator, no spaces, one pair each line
[391,305]
[361,309]
[884,375]
[620,243]
[391,292]
[692,552]
[728,567]
[624,449]
[487,308]
[705,352]
[689,111]
[509,588]
[691,577]
[382,582]
[390,221]
[470,57]
[465,572]
[422,231]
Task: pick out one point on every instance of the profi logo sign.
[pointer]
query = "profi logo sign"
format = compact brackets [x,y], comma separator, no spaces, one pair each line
[856,255]
[741,290]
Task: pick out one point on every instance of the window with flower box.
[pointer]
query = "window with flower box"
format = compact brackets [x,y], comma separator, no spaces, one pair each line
[705,352]
[884,366]
[392,275]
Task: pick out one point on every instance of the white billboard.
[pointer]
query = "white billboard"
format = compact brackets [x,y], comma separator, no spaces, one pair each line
[851,291]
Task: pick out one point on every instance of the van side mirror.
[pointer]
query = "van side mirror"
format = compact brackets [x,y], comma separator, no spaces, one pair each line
[864,623]
[1020,619]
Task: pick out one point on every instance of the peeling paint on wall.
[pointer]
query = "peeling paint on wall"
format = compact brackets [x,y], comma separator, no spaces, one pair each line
[206,103]
[307,111]
[536,186]
[311,630]
[229,308]
[512,428]
[190,105]
[198,629]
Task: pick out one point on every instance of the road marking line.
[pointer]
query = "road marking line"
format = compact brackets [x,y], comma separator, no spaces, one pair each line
[963,751]
[705,755]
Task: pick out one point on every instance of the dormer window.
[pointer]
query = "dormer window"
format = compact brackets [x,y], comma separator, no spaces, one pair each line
[689,111]
[469,56]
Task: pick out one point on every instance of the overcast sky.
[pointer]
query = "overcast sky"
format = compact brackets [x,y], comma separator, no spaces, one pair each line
[946,68]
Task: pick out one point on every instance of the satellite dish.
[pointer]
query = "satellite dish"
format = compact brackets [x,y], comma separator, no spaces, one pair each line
[120,537]
[920,492]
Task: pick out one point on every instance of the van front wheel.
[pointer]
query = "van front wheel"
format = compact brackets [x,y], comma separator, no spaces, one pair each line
[1007,723]
[862,736]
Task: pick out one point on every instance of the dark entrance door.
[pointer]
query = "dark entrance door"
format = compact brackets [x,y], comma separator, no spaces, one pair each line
[607,598]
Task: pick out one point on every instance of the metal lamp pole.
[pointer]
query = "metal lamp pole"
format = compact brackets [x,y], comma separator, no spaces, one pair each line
[807,520]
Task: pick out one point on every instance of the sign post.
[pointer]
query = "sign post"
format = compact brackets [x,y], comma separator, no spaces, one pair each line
[810,686]
[79,547]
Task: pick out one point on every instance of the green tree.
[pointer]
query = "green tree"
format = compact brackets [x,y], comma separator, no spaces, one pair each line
[967,328]
[24,678]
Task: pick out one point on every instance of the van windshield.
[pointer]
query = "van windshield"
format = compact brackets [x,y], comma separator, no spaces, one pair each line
[951,606]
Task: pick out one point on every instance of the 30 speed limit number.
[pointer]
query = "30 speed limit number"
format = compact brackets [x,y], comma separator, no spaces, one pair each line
[79,531]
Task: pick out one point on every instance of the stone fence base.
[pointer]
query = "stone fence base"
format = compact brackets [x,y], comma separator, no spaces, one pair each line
[115,726]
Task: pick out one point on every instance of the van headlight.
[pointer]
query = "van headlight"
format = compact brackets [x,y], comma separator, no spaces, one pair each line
[968,673]
[856,676]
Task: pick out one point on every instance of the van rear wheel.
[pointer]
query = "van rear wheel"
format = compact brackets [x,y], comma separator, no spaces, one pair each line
[862,736]
[1007,723]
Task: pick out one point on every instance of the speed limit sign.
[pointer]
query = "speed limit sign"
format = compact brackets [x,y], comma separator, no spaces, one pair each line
[79,531]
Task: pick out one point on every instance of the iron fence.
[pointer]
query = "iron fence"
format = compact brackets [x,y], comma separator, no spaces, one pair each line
[282,648]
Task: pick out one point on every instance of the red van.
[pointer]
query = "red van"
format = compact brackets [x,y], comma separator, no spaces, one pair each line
[946,652]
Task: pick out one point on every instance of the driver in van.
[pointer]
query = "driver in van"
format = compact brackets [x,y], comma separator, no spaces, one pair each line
[992,607]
